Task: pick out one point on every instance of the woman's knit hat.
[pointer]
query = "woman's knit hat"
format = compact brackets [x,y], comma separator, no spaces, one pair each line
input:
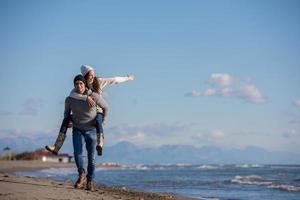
[85,69]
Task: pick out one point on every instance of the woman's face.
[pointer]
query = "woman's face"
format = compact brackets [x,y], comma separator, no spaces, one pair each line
[80,87]
[90,76]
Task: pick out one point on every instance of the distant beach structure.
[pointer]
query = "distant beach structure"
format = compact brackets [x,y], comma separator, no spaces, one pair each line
[8,153]
[49,157]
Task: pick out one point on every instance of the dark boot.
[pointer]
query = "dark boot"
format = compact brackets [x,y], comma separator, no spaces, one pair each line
[90,185]
[80,181]
[58,143]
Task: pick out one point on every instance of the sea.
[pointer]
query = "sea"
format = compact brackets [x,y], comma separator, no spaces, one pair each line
[209,182]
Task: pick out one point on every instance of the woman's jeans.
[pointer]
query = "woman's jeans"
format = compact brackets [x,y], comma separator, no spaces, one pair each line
[64,124]
[89,137]
[99,121]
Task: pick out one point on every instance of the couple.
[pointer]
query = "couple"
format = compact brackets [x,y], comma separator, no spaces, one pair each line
[88,112]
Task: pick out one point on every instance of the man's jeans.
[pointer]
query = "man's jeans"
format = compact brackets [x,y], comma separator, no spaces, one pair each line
[79,136]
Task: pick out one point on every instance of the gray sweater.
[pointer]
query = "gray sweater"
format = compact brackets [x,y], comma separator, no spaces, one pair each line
[83,116]
[103,82]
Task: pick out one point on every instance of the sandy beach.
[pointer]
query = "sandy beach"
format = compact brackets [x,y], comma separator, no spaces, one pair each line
[22,187]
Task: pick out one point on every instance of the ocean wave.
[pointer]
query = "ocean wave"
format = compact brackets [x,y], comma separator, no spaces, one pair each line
[258,180]
[289,188]
[207,167]
[297,180]
[158,167]
[51,172]
[251,180]
[208,198]
[139,167]
[249,166]
[183,165]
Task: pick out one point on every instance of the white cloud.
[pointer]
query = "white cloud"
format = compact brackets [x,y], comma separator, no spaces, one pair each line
[221,79]
[210,92]
[150,134]
[291,133]
[297,102]
[31,106]
[217,134]
[30,133]
[251,93]
[192,94]
[224,85]
[136,138]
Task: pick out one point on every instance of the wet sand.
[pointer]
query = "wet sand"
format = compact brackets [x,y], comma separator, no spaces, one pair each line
[22,187]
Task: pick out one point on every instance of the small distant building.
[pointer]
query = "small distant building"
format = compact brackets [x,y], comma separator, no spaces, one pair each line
[6,149]
[8,153]
[49,157]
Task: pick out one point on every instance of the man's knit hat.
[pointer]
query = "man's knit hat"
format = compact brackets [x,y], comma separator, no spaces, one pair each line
[79,77]
[85,69]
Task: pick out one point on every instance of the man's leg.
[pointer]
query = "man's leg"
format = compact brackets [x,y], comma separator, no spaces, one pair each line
[90,141]
[77,145]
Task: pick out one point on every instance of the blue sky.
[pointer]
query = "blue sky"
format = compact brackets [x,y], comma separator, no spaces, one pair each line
[222,73]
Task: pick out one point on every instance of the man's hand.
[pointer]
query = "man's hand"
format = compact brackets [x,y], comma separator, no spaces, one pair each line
[130,77]
[90,101]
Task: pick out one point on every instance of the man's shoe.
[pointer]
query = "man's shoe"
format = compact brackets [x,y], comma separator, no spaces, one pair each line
[80,181]
[90,186]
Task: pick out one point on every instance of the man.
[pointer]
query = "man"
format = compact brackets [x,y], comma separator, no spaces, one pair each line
[83,118]
[95,84]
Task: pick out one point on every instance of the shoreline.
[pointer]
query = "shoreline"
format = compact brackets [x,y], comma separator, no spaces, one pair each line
[24,187]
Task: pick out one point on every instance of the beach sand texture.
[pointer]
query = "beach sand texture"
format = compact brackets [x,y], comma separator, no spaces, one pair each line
[20,187]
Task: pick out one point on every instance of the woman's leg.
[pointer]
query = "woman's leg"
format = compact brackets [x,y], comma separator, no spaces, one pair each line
[100,133]
[99,121]
[61,136]
[65,124]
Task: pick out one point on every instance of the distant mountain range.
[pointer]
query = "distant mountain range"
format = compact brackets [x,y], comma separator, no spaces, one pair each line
[128,153]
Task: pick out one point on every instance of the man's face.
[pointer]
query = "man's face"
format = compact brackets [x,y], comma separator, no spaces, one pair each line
[80,87]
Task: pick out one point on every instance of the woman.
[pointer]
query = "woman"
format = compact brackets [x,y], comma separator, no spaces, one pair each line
[97,85]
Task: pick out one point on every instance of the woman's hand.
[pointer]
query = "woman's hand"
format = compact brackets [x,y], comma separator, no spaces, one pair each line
[90,101]
[70,124]
[130,77]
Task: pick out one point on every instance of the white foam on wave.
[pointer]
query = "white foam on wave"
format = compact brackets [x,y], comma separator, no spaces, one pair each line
[289,188]
[182,165]
[249,166]
[258,180]
[141,167]
[250,180]
[207,167]
[50,172]
[104,169]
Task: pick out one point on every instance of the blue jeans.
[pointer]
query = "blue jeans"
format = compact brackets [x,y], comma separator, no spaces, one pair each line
[90,143]
[99,121]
